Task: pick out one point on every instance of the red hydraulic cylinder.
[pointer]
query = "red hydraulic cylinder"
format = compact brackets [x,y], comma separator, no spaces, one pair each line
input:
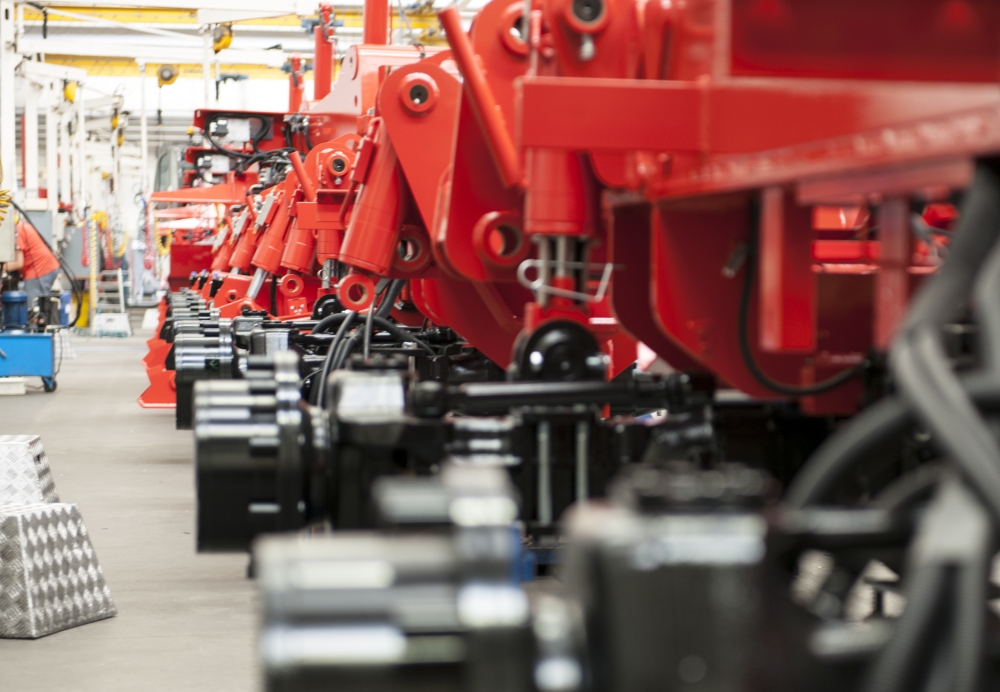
[272,243]
[373,233]
[223,259]
[556,199]
[299,250]
[328,241]
[243,252]
[296,87]
[376,32]
[323,59]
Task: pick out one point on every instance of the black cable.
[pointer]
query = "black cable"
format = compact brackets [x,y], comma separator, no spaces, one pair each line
[918,359]
[255,139]
[77,289]
[401,333]
[329,321]
[970,595]
[864,436]
[744,335]
[347,348]
[316,394]
[924,602]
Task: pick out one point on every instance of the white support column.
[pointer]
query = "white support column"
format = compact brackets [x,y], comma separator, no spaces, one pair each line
[79,156]
[8,61]
[143,131]
[52,151]
[65,192]
[29,139]
[206,68]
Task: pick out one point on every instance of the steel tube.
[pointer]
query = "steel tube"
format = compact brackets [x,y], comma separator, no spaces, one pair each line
[484,103]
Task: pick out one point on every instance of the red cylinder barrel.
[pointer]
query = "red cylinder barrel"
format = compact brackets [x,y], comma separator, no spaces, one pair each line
[298,253]
[373,233]
[555,200]
[272,243]
[243,252]
[376,31]
[322,64]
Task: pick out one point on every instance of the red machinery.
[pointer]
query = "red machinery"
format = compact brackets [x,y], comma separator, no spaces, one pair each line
[619,168]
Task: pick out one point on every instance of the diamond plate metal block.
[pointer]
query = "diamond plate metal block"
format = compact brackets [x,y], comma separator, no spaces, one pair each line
[25,477]
[50,579]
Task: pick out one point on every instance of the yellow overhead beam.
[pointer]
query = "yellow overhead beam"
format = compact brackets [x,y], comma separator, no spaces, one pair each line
[350,17]
[123,67]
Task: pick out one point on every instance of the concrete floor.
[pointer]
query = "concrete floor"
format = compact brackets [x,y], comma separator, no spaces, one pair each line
[185,621]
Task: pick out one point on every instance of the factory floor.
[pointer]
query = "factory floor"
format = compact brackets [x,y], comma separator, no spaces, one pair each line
[185,621]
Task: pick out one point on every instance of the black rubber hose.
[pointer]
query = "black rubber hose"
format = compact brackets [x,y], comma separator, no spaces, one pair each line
[918,359]
[389,299]
[74,284]
[938,300]
[939,401]
[384,308]
[986,296]
[925,599]
[329,321]
[401,334]
[865,435]
[971,587]
[911,488]
[847,447]
[746,351]
[347,348]
[316,392]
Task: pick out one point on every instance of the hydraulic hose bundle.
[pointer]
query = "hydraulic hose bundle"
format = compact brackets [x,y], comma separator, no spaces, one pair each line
[950,557]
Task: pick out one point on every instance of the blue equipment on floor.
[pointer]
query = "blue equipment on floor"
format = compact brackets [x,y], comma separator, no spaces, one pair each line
[23,354]
[15,310]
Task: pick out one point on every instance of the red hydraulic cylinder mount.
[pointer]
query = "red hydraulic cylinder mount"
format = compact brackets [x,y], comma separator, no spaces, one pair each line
[323,60]
[376,31]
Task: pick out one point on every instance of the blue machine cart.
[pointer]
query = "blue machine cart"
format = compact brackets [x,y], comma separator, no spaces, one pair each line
[28,355]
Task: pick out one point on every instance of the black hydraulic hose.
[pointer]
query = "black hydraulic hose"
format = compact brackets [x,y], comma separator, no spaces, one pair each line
[925,598]
[864,435]
[389,299]
[911,488]
[384,308]
[762,377]
[329,321]
[74,284]
[316,393]
[344,321]
[918,359]
[400,333]
[839,453]
[986,297]
[970,594]
[347,348]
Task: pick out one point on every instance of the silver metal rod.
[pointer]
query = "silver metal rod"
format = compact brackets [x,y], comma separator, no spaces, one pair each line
[544,473]
[582,448]
[544,254]
[327,272]
[562,256]
[256,283]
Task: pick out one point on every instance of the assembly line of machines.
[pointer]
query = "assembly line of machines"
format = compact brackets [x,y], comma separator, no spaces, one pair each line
[411,367]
